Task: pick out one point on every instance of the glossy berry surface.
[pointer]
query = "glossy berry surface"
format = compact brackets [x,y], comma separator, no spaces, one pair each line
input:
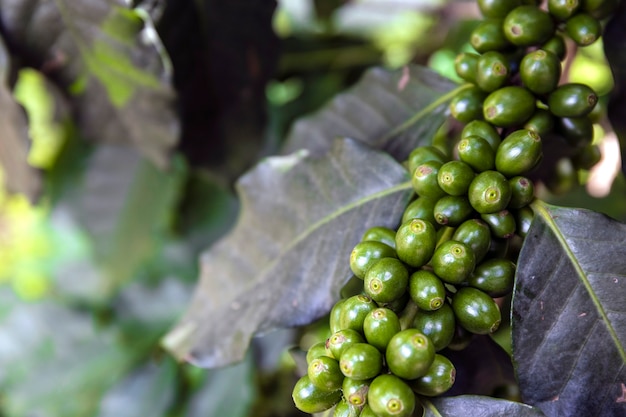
[519,153]
[476,234]
[476,311]
[361,361]
[310,399]
[365,254]
[324,373]
[341,340]
[437,325]
[528,25]
[439,378]
[386,280]
[489,192]
[415,242]
[453,261]
[389,396]
[494,276]
[409,354]
[380,326]
[509,106]
[477,153]
[427,290]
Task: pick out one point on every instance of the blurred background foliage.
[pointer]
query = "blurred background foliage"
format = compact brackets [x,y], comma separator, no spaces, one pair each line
[98,251]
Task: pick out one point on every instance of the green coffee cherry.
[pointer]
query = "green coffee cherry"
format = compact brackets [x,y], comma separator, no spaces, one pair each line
[489,192]
[423,154]
[540,71]
[476,234]
[397,305]
[492,71]
[437,325]
[572,100]
[583,28]
[409,354]
[427,290]
[563,9]
[556,45]
[355,391]
[477,153]
[424,180]
[476,311]
[353,312]
[361,361]
[489,36]
[386,280]
[453,261]
[315,351]
[467,105]
[335,315]
[600,9]
[519,153]
[484,130]
[527,26]
[380,326]
[325,374]
[509,106]
[523,220]
[587,157]
[380,234]
[497,8]
[465,66]
[389,396]
[495,277]
[438,379]
[367,412]
[310,399]
[366,253]
[345,409]
[415,242]
[420,208]
[577,131]
[452,210]
[522,192]
[341,340]
[502,223]
[541,122]
[454,177]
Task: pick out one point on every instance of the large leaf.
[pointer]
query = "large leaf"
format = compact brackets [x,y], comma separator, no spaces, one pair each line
[382,110]
[123,203]
[18,175]
[614,47]
[477,406]
[569,313]
[287,258]
[94,50]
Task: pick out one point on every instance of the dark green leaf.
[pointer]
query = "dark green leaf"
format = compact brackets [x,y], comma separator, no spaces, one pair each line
[95,51]
[381,110]
[477,406]
[19,176]
[124,204]
[614,46]
[288,256]
[569,313]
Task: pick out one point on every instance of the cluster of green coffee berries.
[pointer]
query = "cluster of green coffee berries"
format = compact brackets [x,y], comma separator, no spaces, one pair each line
[516,71]
[431,284]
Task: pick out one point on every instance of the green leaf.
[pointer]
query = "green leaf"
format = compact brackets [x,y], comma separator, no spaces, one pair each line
[473,405]
[95,50]
[18,175]
[382,110]
[288,256]
[569,313]
[124,203]
[614,41]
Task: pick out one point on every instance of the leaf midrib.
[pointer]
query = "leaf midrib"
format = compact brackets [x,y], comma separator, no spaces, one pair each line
[325,220]
[542,208]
